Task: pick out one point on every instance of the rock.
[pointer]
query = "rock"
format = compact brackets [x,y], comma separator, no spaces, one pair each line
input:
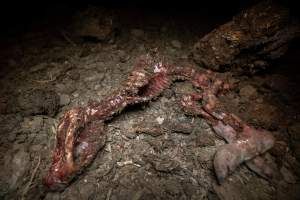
[248,42]
[45,102]
[64,99]
[94,23]
[130,135]
[137,33]
[160,120]
[176,44]
[248,92]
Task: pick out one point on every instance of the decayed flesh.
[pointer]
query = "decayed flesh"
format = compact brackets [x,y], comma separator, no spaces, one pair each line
[81,132]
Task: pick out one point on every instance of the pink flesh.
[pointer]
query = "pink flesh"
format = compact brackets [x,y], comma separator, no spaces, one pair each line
[81,134]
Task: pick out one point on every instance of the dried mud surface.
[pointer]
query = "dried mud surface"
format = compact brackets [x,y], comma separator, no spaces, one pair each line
[47,72]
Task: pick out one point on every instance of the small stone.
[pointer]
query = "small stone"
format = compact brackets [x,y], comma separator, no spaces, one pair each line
[176,44]
[75,94]
[160,120]
[108,148]
[130,135]
[94,24]
[64,99]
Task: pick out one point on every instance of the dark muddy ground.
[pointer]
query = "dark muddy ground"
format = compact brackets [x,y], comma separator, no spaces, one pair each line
[46,71]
